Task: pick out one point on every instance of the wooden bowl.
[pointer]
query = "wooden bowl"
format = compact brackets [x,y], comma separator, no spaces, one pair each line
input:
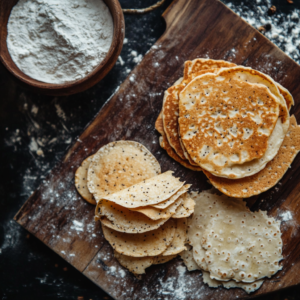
[70,87]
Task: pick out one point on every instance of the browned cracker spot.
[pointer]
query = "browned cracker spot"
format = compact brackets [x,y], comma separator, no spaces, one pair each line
[269,176]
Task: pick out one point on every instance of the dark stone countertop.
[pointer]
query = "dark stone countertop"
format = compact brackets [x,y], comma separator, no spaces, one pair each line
[28,269]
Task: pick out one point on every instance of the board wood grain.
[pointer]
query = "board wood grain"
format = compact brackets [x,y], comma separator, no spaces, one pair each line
[57,215]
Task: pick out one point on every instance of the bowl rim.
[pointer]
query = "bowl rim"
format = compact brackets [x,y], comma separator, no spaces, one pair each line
[81,84]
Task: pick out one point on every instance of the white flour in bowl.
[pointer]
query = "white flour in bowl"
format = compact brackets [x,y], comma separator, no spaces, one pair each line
[58,41]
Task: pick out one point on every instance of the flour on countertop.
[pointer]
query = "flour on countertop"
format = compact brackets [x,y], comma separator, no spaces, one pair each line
[286,216]
[285,28]
[59,41]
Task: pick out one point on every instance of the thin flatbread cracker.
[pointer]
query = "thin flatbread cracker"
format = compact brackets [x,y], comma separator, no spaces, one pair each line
[207,207]
[81,180]
[269,176]
[148,192]
[150,243]
[247,287]
[170,108]
[119,165]
[156,213]
[244,246]
[163,259]
[178,243]
[136,265]
[188,259]
[122,219]
[186,208]
[210,282]
[172,199]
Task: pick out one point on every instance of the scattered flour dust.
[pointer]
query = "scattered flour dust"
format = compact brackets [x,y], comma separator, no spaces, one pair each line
[58,41]
[78,226]
[286,216]
[177,288]
[60,112]
[285,28]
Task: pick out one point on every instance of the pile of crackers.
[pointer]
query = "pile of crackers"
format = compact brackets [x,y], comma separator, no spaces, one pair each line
[232,123]
[234,247]
[143,212]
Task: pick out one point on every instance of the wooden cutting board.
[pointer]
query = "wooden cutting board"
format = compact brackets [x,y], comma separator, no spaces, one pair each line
[57,215]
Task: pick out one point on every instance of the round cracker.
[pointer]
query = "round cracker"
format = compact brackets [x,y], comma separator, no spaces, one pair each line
[148,192]
[122,219]
[186,208]
[178,243]
[248,287]
[157,213]
[162,259]
[136,265]
[81,180]
[188,259]
[119,165]
[150,243]
[171,200]
[207,207]
[244,246]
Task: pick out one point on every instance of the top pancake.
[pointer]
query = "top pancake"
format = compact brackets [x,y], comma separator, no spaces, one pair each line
[170,103]
[225,121]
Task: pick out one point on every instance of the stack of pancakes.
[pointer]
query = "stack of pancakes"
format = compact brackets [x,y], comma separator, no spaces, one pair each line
[232,123]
